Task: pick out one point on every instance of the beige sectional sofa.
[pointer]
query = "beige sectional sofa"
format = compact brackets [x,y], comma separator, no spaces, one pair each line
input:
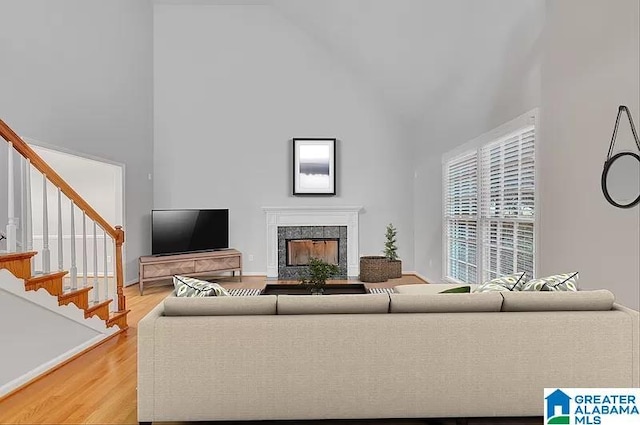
[406,355]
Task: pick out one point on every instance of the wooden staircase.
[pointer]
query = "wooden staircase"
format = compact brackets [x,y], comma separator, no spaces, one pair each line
[19,264]
[107,303]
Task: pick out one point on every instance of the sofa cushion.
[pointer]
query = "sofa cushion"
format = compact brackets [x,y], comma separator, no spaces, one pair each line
[601,299]
[220,306]
[558,282]
[431,288]
[512,282]
[192,287]
[445,303]
[333,304]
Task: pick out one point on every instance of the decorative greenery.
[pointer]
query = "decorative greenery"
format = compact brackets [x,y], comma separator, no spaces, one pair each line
[318,273]
[390,247]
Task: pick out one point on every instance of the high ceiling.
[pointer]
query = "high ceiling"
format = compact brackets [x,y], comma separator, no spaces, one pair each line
[414,53]
[422,59]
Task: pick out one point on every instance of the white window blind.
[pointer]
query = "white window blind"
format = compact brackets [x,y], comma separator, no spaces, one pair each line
[490,209]
[461,210]
[508,205]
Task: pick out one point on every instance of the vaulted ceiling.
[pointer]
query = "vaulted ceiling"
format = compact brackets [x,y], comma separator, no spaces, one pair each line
[416,53]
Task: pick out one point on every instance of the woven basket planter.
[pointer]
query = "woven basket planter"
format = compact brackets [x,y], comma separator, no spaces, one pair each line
[394,269]
[373,269]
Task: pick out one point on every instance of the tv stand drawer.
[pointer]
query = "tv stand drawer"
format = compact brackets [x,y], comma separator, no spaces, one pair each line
[214,264]
[168,268]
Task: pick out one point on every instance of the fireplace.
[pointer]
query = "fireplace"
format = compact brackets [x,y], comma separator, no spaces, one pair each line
[318,222]
[300,251]
[298,244]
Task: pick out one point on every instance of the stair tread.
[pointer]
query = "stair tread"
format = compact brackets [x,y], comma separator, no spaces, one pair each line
[46,276]
[118,314]
[94,306]
[8,256]
[75,292]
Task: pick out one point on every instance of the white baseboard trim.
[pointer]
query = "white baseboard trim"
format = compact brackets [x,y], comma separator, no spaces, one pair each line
[418,275]
[254,274]
[18,382]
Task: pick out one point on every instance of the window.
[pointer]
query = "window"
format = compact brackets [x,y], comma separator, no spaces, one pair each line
[489,207]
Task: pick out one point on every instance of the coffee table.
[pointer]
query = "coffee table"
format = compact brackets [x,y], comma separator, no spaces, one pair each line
[330,289]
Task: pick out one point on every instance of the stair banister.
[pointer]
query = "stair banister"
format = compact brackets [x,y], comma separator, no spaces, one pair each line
[49,174]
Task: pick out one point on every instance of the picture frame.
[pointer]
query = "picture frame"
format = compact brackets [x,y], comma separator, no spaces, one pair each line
[314,167]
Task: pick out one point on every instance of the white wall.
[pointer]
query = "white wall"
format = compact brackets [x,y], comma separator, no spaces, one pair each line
[591,65]
[78,74]
[33,336]
[233,86]
[468,105]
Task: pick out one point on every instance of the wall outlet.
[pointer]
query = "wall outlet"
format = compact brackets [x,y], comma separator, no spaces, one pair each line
[250,257]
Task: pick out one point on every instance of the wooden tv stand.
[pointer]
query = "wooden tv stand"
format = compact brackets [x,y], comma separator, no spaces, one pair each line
[162,267]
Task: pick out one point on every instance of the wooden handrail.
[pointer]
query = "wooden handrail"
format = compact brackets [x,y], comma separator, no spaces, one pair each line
[115,232]
[25,150]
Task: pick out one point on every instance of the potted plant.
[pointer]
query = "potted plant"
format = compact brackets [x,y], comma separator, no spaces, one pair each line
[394,266]
[318,273]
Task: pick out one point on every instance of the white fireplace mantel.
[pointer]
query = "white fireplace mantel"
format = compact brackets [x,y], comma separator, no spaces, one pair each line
[312,216]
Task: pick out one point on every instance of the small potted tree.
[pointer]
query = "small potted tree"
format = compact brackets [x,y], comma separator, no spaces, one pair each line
[318,273]
[394,266]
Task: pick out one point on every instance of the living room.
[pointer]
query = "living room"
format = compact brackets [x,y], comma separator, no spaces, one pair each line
[200,101]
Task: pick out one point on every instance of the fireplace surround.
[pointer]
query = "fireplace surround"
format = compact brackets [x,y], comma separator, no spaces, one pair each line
[311,235]
[286,217]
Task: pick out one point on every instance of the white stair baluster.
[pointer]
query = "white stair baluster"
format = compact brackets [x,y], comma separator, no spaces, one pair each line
[106,276]
[12,244]
[28,223]
[73,270]
[85,273]
[23,204]
[96,295]
[60,241]
[46,255]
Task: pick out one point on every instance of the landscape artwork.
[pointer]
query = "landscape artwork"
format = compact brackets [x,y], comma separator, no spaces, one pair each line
[314,166]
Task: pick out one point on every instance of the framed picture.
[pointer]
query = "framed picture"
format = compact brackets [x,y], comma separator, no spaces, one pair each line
[314,167]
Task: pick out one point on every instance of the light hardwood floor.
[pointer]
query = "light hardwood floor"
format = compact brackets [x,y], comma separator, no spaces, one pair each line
[99,387]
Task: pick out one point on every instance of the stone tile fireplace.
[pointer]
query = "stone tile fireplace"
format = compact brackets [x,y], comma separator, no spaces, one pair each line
[294,234]
[297,244]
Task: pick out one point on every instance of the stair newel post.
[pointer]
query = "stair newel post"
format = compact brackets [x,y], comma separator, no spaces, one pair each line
[28,218]
[73,270]
[12,245]
[119,273]
[60,241]
[84,250]
[96,295]
[106,266]
[46,254]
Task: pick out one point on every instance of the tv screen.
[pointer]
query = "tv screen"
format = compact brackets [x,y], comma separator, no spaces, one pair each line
[177,231]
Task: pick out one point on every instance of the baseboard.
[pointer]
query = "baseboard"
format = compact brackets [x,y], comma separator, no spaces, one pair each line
[48,367]
[416,274]
[254,274]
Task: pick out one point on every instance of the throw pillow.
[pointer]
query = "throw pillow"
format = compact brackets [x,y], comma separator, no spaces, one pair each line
[192,287]
[512,282]
[558,282]
[457,290]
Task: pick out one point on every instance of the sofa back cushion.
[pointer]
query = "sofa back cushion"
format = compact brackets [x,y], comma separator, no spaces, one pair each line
[333,304]
[220,306]
[601,299]
[445,303]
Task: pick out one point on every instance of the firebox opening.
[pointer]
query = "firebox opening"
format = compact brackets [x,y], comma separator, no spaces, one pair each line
[300,251]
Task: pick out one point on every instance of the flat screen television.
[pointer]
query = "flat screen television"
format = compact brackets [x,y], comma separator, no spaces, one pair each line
[179,231]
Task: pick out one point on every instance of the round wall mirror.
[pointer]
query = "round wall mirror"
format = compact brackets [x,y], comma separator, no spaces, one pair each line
[621,180]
